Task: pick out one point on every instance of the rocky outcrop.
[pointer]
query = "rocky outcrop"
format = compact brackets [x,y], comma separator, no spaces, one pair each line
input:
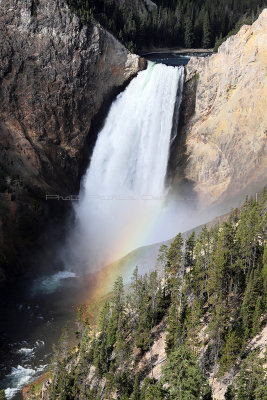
[57,77]
[224,119]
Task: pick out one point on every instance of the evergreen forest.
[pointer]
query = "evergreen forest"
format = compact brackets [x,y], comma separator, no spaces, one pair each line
[173,23]
[207,294]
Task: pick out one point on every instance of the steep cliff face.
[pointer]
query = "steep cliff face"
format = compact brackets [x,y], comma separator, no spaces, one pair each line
[224,117]
[56,77]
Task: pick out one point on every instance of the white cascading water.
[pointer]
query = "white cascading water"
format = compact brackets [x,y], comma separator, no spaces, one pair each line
[123,188]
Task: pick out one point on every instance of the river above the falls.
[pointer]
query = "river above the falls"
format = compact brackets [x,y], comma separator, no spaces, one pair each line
[173,59]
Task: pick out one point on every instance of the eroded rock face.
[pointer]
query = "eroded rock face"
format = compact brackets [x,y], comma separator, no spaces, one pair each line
[226,135]
[55,78]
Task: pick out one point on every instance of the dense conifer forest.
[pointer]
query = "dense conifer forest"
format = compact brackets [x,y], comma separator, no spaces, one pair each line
[215,283]
[174,23]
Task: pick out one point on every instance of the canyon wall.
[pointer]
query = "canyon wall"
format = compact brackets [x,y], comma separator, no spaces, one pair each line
[221,149]
[57,77]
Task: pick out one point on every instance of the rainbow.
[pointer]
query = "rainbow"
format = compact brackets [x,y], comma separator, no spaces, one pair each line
[138,233]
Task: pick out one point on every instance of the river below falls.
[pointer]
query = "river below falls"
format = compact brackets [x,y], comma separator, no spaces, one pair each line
[32,316]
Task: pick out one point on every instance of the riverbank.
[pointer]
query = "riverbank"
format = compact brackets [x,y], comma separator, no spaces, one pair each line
[35,388]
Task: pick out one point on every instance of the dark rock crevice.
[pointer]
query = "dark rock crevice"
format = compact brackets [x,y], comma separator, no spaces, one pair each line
[178,159]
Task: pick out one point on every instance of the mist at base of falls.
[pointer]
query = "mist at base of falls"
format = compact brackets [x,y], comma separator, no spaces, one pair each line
[123,196]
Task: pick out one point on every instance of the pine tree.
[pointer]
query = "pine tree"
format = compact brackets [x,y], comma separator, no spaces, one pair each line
[250,310]
[174,283]
[222,264]
[192,317]
[173,321]
[175,255]
[152,390]
[136,290]
[201,266]
[217,326]
[58,366]
[206,38]
[188,33]
[162,259]
[252,379]
[230,393]
[117,307]
[249,232]
[230,352]
[184,376]
[189,252]
[143,338]
[122,347]
[256,319]
[136,388]
[101,346]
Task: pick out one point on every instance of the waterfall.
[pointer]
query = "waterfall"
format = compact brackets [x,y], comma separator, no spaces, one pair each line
[123,189]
